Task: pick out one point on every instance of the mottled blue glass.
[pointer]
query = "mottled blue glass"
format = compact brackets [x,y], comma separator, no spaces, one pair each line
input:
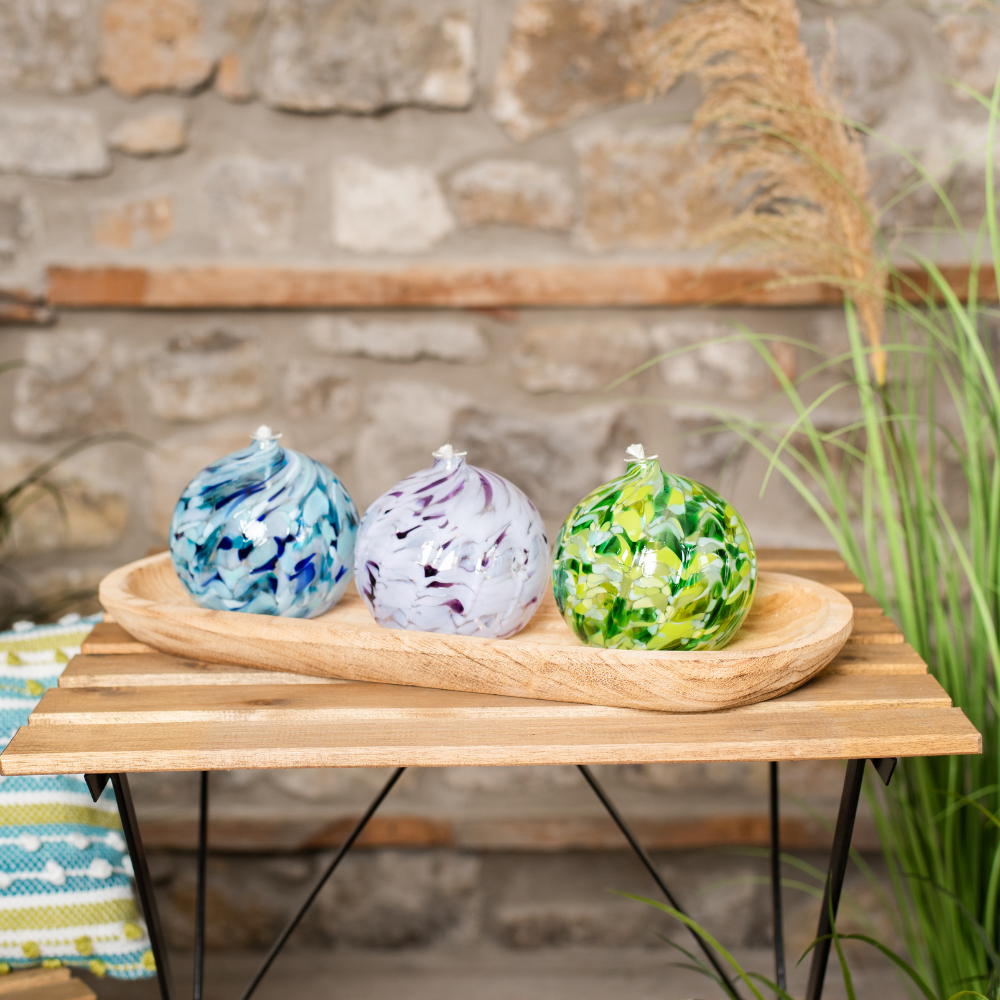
[266,530]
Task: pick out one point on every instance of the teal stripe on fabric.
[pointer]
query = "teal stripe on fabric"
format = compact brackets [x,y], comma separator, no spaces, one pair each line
[53,828]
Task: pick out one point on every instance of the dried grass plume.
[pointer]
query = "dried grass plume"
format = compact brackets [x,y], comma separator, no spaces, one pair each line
[779,145]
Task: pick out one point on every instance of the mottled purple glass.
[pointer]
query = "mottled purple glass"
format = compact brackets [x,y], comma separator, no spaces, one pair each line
[452,549]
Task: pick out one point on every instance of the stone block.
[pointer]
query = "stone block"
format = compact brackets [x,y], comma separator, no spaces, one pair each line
[402,423]
[52,142]
[566,59]
[724,367]
[829,329]
[327,55]
[512,193]
[707,452]
[154,45]
[72,384]
[152,135]
[556,458]
[20,220]
[972,42]
[579,356]
[49,45]
[870,65]
[133,224]
[176,460]
[950,149]
[321,390]
[520,781]
[231,79]
[315,784]
[399,340]
[636,185]
[870,68]
[254,204]
[721,778]
[557,924]
[387,209]
[92,510]
[203,374]
[392,899]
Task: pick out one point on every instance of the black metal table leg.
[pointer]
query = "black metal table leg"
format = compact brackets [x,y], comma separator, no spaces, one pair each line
[199,915]
[835,877]
[143,883]
[884,767]
[321,881]
[779,933]
[647,862]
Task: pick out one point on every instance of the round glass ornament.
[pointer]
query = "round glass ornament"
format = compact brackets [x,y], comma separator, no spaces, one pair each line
[265,530]
[452,549]
[654,561]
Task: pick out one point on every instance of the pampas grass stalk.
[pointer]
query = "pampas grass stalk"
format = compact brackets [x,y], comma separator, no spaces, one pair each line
[919,371]
[779,147]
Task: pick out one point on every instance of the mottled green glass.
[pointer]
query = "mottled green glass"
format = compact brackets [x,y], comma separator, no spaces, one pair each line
[654,561]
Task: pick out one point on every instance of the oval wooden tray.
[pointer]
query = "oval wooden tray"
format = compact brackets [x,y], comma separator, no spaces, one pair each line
[794,629]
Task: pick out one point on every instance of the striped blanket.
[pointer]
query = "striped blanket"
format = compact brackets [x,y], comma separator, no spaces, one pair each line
[66,888]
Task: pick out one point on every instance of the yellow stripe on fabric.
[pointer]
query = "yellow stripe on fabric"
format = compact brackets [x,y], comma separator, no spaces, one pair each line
[44,918]
[33,813]
[100,935]
[49,640]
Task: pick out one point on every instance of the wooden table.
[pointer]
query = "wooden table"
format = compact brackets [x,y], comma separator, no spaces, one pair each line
[122,707]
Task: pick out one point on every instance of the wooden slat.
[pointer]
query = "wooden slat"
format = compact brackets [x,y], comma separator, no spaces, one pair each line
[877,658]
[160,669]
[451,285]
[110,637]
[796,560]
[870,629]
[864,605]
[44,984]
[307,703]
[810,733]
[842,580]
[18,980]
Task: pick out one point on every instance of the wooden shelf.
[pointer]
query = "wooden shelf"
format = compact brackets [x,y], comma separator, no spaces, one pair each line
[447,285]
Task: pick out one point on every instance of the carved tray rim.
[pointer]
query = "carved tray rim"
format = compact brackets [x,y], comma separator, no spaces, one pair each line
[538,662]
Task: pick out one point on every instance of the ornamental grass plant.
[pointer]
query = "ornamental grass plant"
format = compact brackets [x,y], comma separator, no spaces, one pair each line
[908,482]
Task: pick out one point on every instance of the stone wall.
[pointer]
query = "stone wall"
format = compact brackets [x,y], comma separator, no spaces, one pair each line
[143,134]
[138,133]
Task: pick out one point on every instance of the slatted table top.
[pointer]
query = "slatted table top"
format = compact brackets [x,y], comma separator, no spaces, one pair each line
[123,707]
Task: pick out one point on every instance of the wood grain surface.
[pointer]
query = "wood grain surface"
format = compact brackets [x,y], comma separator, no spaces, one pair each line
[637,738]
[462,286]
[794,628]
[44,984]
[138,711]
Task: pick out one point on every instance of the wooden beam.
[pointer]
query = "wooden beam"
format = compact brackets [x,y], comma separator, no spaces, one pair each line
[20,308]
[239,286]
[553,832]
[429,285]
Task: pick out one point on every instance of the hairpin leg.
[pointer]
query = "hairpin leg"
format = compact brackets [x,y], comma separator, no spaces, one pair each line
[344,848]
[199,914]
[647,862]
[835,877]
[779,933]
[143,883]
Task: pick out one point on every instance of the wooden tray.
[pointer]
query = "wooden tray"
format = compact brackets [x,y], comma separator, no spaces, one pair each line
[794,629]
